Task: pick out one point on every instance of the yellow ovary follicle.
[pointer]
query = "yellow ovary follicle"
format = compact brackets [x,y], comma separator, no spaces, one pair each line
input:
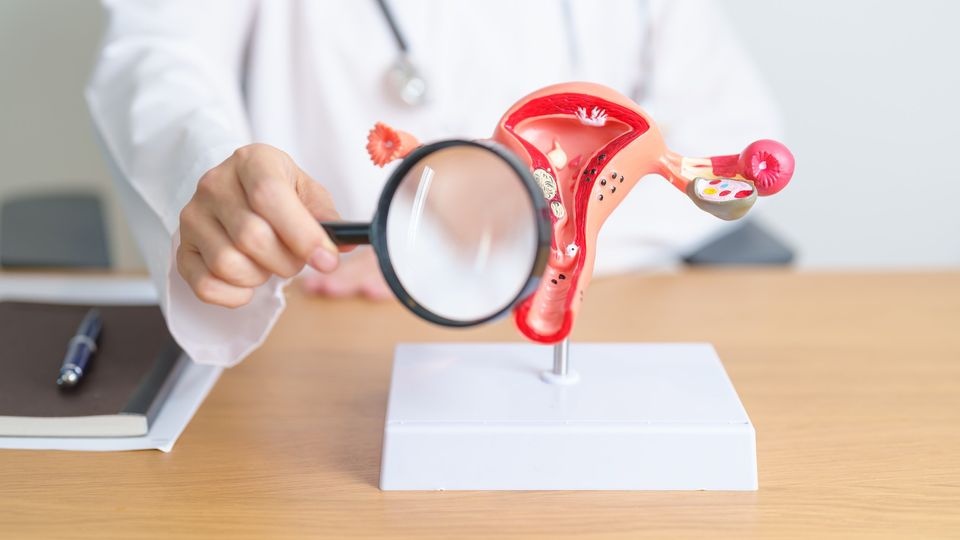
[557,157]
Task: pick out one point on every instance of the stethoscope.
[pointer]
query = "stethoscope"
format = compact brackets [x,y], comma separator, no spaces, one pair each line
[407,84]
[403,79]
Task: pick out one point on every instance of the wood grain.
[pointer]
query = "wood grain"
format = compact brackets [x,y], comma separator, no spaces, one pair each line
[852,380]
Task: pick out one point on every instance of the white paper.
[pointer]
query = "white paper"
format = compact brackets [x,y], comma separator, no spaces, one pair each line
[191,388]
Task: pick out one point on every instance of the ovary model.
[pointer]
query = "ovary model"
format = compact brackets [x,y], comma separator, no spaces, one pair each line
[587,146]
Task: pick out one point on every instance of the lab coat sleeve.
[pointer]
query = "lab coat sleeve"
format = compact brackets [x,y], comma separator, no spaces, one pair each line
[166,101]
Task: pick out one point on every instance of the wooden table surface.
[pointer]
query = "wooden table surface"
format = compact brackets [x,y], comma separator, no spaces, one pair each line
[852,381]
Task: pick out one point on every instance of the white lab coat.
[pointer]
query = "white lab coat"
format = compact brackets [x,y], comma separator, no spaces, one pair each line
[180,84]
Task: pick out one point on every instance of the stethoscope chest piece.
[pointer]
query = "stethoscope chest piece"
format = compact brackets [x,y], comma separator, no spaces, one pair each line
[405,83]
[403,80]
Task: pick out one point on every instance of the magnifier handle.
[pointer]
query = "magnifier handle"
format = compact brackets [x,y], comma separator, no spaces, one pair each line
[347,233]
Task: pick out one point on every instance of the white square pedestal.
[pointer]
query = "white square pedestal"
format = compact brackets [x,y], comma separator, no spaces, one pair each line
[641,417]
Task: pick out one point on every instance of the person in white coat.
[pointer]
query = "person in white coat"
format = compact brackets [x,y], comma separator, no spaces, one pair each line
[231,126]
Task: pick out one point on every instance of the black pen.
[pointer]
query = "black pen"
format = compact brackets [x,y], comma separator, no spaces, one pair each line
[80,349]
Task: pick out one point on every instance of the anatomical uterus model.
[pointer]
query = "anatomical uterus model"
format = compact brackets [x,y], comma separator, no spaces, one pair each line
[587,146]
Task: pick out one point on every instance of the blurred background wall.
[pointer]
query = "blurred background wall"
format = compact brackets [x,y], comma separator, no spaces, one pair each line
[47,50]
[869,92]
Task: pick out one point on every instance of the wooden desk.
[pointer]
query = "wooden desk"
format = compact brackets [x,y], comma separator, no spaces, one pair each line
[852,380]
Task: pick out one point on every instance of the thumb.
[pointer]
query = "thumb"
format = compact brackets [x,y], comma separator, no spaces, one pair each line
[316,198]
[318,201]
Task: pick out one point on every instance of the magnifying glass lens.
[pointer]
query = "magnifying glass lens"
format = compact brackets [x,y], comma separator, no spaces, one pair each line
[461,233]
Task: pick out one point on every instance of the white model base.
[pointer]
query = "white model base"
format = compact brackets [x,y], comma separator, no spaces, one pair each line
[639,417]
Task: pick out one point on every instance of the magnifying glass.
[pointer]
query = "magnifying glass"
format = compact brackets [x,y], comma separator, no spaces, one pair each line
[461,232]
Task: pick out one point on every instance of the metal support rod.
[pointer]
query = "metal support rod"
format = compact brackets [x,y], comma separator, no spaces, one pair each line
[561,358]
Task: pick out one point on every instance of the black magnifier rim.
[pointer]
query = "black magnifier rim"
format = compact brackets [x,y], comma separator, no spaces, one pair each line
[378,229]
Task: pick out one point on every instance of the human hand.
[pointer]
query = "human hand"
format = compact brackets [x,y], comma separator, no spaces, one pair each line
[358,275]
[253,216]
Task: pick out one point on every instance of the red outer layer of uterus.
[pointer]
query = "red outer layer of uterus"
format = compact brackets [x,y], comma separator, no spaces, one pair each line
[547,316]
[595,144]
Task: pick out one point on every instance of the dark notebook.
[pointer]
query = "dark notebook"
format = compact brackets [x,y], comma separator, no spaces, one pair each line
[122,390]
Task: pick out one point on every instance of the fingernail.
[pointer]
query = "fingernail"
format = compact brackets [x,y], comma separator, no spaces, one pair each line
[323,259]
[330,244]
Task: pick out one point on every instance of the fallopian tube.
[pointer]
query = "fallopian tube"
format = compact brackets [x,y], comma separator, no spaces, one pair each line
[587,146]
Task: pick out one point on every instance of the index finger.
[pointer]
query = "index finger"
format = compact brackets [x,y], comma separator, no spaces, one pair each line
[271,192]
